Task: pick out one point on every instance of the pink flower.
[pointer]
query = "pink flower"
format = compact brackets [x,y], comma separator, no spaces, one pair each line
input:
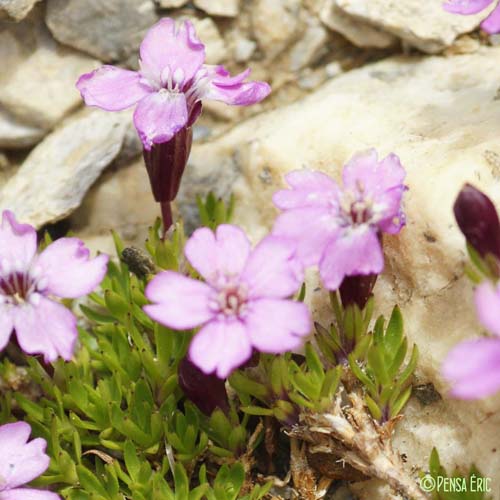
[242,305]
[473,366]
[29,281]
[466,7]
[338,229]
[170,85]
[21,463]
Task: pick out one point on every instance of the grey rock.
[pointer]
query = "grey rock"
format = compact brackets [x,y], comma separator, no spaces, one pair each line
[110,30]
[16,10]
[55,176]
[215,46]
[244,48]
[38,89]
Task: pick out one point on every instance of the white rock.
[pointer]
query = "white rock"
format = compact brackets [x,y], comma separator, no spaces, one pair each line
[14,134]
[311,47]
[55,176]
[110,30]
[225,8]
[16,9]
[358,32]
[425,25]
[275,24]
[445,131]
[38,88]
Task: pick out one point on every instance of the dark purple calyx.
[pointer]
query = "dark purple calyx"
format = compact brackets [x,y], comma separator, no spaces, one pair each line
[207,392]
[478,220]
[357,289]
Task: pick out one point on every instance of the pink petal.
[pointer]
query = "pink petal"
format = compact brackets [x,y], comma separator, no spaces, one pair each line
[159,116]
[271,270]
[357,251]
[68,270]
[224,253]
[17,242]
[48,328]
[180,302]
[220,346]
[277,326]
[112,88]
[466,6]
[309,189]
[233,90]
[492,23]
[21,461]
[473,367]
[201,251]
[487,299]
[311,228]
[28,494]
[165,46]
[6,325]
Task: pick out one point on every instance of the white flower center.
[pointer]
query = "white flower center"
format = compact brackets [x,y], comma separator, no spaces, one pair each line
[230,298]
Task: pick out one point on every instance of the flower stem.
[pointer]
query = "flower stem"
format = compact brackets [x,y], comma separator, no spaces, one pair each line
[166,215]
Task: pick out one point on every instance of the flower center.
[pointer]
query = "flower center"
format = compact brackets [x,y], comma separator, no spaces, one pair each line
[17,286]
[356,207]
[230,299]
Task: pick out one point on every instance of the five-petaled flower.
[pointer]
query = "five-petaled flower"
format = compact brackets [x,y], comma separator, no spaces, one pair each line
[22,462]
[339,229]
[29,281]
[473,366]
[170,84]
[243,304]
[467,7]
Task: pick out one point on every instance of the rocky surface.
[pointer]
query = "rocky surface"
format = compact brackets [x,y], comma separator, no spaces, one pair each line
[424,25]
[38,89]
[16,10]
[15,134]
[358,32]
[444,130]
[110,30]
[225,8]
[54,178]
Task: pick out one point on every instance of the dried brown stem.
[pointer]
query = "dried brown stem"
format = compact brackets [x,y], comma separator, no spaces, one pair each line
[352,434]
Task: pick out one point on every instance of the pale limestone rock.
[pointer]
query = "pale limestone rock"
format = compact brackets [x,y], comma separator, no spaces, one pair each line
[55,176]
[425,25]
[275,24]
[358,32]
[14,134]
[121,200]
[215,47]
[445,131]
[311,46]
[38,88]
[244,48]
[16,10]
[225,8]
[110,30]
[171,4]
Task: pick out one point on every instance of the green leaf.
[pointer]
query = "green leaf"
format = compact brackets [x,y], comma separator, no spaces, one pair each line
[394,332]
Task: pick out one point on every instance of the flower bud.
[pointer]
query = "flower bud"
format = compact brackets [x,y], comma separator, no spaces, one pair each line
[165,164]
[207,392]
[478,220]
[357,289]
